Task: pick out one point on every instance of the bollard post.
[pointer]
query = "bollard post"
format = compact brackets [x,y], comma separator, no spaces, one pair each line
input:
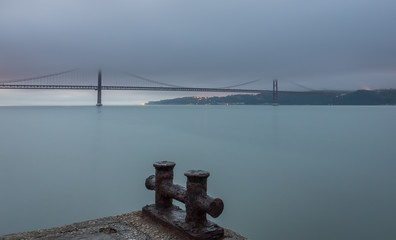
[163,177]
[196,188]
[192,222]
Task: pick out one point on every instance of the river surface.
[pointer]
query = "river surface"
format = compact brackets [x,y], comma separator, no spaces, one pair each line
[286,172]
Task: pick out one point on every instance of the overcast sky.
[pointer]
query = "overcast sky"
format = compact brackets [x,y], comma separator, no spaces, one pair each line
[326,44]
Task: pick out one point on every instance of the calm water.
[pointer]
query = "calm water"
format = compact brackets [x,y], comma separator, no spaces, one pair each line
[287,172]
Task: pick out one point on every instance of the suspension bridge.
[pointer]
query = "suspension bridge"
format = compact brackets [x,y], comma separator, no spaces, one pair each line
[72,81]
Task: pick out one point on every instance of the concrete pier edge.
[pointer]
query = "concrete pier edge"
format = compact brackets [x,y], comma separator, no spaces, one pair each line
[131,226]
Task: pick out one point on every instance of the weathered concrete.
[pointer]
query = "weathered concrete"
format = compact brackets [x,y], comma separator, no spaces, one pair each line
[131,226]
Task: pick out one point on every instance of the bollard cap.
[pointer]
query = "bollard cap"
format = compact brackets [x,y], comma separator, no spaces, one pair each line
[164,164]
[197,173]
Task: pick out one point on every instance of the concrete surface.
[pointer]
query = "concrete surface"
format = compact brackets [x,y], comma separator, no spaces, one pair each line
[131,226]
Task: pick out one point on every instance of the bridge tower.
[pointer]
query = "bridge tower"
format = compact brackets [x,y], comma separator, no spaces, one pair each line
[275,101]
[99,102]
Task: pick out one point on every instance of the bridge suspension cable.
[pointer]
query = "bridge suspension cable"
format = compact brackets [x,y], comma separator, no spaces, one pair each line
[302,86]
[172,85]
[150,80]
[38,77]
[242,84]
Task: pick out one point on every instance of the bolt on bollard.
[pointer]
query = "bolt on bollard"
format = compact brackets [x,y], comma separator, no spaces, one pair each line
[192,222]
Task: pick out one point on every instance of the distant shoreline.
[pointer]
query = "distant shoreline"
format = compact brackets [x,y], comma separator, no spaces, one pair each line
[359,97]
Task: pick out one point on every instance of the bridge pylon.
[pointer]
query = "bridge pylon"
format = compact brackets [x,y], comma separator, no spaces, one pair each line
[275,100]
[99,100]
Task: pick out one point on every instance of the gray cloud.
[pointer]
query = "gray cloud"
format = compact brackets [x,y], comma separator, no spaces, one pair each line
[324,44]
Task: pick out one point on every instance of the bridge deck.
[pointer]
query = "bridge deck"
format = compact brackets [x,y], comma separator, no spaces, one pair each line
[92,87]
[175,89]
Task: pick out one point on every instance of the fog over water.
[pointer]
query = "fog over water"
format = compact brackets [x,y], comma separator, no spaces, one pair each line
[287,172]
[337,44]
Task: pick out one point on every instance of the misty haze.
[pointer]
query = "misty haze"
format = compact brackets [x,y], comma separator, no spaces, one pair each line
[289,105]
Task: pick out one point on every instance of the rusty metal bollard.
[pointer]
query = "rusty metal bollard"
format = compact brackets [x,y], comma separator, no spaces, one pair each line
[192,222]
[163,177]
